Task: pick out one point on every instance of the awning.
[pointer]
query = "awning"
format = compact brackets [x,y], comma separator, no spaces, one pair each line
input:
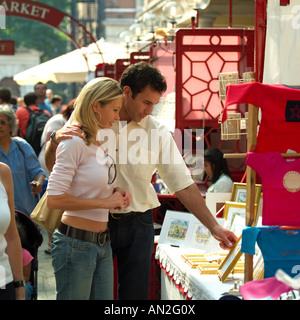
[72,66]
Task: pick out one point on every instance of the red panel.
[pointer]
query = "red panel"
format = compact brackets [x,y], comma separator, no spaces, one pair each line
[139,56]
[99,71]
[109,70]
[120,66]
[260,37]
[284,2]
[7,47]
[201,55]
[163,59]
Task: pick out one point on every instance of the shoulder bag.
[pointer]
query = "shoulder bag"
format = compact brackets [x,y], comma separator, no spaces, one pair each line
[44,217]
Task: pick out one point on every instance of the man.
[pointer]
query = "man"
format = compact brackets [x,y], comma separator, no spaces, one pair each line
[132,233]
[25,121]
[40,90]
[23,115]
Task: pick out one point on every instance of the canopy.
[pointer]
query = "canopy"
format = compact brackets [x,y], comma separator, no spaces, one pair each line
[72,66]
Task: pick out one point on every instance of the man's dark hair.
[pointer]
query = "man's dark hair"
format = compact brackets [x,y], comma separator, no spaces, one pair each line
[5,95]
[30,99]
[139,75]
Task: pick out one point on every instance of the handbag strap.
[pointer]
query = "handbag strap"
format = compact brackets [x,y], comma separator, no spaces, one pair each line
[19,146]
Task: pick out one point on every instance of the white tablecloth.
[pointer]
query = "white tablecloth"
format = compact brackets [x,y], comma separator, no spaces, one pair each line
[194,285]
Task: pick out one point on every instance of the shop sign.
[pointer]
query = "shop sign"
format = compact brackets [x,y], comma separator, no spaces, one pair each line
[33,10]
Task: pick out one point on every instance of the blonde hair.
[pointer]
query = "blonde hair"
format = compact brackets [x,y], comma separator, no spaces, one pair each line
[103,90]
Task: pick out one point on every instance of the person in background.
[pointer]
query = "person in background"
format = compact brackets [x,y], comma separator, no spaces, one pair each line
[23,115]
[20,102]
[12,284]
[40,90]
[14,103]
[215,167]
[82,184]
[5,97]
[17,153]
[53,124]
[49,96]
[56,104]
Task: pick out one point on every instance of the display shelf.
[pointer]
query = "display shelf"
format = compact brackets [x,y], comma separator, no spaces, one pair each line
[235,125]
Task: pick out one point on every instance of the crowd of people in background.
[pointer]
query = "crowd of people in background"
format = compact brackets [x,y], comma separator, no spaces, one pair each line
[22,168]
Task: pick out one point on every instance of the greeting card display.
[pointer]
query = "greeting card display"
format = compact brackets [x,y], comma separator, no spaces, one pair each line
[183,229]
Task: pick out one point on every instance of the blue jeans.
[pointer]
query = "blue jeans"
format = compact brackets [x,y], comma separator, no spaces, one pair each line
[83,270]
[132,240]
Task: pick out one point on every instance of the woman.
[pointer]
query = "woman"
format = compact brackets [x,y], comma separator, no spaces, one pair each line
[28,176]
[82,184]
[215,167]
[12,285]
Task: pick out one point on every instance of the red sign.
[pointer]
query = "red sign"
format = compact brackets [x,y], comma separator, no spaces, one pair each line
[7,47]
[33,10]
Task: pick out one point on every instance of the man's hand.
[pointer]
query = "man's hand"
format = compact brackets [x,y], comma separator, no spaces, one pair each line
[226,238]
[192,199]
[67,132]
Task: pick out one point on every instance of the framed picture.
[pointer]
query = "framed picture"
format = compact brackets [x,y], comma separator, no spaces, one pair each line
[201,238]
[175,228]
[184,230]
[208,268]
[258,268]
[239,193]
[234,213]
[230,261]
[235,216]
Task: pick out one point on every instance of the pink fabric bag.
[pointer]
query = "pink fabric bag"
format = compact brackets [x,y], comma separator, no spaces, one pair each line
[269,288]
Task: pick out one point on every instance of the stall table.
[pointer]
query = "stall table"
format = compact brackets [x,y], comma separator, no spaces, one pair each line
[180,281]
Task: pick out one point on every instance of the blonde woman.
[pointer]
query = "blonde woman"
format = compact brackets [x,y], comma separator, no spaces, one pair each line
[82,184]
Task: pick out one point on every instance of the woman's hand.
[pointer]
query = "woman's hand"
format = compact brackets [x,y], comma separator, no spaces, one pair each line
[115,201]
[126,196]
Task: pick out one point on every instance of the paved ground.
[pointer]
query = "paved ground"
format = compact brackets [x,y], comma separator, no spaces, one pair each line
[46,279]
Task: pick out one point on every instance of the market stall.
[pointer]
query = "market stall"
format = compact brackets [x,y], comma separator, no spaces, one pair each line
[269,240]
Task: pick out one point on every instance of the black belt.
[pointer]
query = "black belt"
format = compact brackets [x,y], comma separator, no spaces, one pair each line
[125,215]
[96,237]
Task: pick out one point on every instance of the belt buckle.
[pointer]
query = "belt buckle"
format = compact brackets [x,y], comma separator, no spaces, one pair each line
[101,238]
[116,218]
